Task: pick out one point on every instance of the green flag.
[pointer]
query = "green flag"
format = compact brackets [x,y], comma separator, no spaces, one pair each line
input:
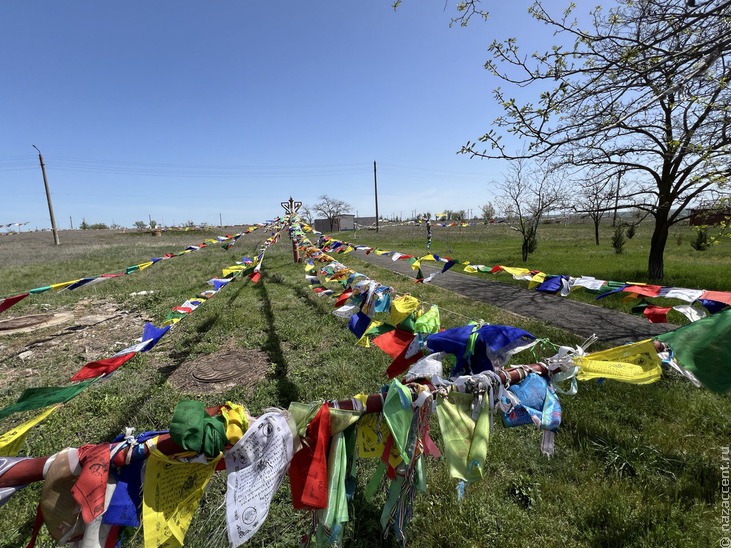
[43,396]
[704,349]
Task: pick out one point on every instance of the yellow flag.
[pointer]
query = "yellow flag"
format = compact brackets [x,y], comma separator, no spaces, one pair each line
[636,363]
[12,441]
[63,285]
[517,273]
[401,307]
[237,421]
[470,269]
[381,252]
[537,280]
[142,266]
[368,443]
[171,493]
[232,269]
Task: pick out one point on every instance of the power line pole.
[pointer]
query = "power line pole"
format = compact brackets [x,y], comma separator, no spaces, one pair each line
[220,221]
[375,185]
[71,222]
[48,198]
[616,198]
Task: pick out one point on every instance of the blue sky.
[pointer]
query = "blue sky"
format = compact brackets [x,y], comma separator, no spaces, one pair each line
[184,110]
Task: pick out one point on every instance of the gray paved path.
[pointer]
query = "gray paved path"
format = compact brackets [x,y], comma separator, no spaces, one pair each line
[583,319]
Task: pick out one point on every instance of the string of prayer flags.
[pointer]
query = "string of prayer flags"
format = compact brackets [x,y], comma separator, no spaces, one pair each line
[12,440]
[702,348]
[171,493]
[635,363]
[256,467]
[43,396]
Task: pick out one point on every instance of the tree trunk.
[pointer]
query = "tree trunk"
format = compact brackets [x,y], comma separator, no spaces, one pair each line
[596,230]
[656,261]
[525,250]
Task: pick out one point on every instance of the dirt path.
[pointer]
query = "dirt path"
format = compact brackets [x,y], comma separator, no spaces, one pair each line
[611,326]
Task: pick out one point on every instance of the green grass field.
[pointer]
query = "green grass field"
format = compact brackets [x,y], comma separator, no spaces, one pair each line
[634,465]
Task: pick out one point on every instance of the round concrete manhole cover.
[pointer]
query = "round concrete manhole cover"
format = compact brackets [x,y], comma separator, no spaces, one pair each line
[222,370]
[219,371]
[24,324]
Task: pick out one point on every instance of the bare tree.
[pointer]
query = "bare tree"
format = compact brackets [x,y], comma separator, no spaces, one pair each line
[527,195]
[307,213]
[643,89]
[330,208]
[488,212]
[595,200]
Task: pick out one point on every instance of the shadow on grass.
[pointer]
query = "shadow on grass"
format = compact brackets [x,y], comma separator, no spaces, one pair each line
[287,391]
[188,344]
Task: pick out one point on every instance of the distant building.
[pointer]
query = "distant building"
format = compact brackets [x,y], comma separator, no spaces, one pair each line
[341,222]
[709,216]
[365,222]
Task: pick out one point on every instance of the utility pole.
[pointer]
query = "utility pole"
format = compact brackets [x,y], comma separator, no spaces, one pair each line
[375,185]
[220,221]
[616,198]
[48,198]
[71,222]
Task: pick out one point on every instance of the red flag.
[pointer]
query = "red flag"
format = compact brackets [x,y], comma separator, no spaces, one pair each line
[101,367]
[496,269]
[255,276]
[10,301]
[343,297]
[719,296]
[401,363]
[91,487]
[656,314]
[394,342]
[645,290]
[308,471]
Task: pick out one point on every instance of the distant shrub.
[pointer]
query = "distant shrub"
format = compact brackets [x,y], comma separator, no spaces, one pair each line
[631,230]
[618,240]
[679,239]
[98,226]
[701,242]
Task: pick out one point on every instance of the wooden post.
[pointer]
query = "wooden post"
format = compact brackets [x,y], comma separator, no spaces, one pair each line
[48,198]
[290,208]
